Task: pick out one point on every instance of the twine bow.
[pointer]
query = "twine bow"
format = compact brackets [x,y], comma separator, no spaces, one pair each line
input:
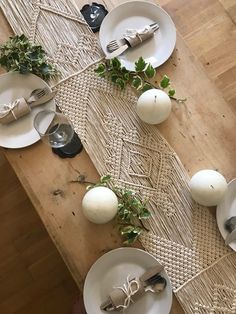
[129,291]
[137,36]
[138,32]
[6,108]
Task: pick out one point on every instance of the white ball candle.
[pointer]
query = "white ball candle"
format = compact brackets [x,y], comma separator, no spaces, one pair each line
[100,205]
[154,106]
[207,187]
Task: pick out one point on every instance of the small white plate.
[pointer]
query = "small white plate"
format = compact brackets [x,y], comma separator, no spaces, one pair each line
[135,15]
[20,133]
[112,270]
[227,209]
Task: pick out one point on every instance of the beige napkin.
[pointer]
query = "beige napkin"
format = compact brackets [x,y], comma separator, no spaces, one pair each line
[13,111]
[135,37]
[20,107]
[122,297]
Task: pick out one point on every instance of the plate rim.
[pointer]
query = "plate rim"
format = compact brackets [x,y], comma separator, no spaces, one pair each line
[46,84]
[122,249]
[146,3]
[232,246]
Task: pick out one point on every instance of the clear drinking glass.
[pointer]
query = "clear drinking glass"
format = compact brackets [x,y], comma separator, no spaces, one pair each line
[54,128]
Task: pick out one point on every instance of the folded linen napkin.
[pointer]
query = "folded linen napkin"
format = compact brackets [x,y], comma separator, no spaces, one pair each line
[20,107]
[13,111]
[134,37]
[120,298]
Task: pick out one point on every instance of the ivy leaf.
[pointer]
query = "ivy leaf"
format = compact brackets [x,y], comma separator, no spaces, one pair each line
[19,54]
[124,70]
[105,179]
[114,77]
[171,92]
[144,214]
[140,65]
[103,74]
[3,62]
[124,214]
[100,69]
[128,193]
[126,230]
[126,77]
[165,82]
[120,83]
[150,71]
[137,82]
[146,86]
[138,78]
[130,233]
[23,69]
[115,63]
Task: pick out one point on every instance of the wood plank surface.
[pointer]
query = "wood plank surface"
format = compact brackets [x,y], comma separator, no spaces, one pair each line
[33,277]
[202,69]
[230,7]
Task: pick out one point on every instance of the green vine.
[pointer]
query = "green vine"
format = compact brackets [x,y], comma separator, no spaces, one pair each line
[18,54]
[131,210]
[138,79]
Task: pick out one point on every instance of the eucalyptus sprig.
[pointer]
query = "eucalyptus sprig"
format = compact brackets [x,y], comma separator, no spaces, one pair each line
[138,79]
[18,54]
[131,210]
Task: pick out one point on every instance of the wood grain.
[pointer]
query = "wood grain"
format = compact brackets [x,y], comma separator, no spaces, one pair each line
[202,69]
[230,7]
[33,277]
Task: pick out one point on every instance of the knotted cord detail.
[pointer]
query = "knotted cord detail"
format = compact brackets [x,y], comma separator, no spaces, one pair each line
[6,108]
[128,290]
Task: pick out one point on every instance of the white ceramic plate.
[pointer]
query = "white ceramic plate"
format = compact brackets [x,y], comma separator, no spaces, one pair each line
[20,133]
[227,209]
[135,15]
[112,269]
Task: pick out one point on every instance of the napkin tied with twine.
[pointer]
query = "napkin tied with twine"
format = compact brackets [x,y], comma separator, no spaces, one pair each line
[14,110]
[135,37]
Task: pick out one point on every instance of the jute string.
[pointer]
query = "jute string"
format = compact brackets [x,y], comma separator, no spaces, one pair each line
[183,236]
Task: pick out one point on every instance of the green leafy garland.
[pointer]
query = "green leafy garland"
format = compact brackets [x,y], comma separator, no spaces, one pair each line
[18,54]
[131,210]
[120,76]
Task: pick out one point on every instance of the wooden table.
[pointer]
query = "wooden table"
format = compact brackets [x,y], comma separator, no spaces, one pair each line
[201,132]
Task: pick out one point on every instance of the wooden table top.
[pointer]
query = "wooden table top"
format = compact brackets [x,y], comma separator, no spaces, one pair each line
[203,69]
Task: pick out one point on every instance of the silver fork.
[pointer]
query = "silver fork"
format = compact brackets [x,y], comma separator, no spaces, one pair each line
[37,94]
[117,43]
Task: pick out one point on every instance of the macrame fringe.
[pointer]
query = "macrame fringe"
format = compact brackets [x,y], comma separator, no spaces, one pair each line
[213,291]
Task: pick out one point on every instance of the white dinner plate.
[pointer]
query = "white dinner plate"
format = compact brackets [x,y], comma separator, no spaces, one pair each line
[112,270]
[135,15]
[227,209]
[20,133]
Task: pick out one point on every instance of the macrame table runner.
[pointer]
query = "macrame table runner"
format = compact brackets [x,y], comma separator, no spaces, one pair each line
[183,236]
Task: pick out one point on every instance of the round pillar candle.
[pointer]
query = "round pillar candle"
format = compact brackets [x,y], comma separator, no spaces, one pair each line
[100,205]
[208,187]
[154,106]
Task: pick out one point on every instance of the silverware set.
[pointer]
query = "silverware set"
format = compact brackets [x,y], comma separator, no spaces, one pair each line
[117,43]
[20,107]
[40,96]
[131,39]
[150,281]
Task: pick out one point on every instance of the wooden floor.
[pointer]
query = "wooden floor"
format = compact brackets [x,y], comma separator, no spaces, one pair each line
[33,277]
